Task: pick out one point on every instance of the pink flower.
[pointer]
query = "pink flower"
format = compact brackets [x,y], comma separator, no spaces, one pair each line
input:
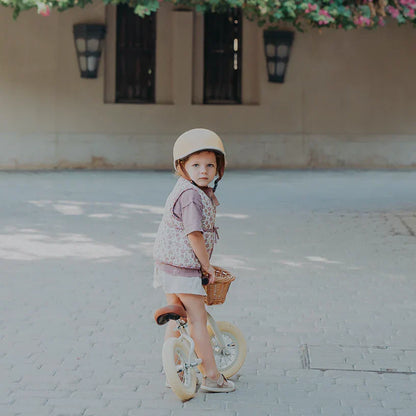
[381,21]
[46,12]
[393,11]
[43,9]
[363,21]
[324,13]
[410,13]
[311,8]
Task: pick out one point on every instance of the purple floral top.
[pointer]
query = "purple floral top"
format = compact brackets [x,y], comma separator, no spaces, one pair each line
[188,208]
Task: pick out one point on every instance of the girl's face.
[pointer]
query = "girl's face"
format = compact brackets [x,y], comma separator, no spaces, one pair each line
[202,167]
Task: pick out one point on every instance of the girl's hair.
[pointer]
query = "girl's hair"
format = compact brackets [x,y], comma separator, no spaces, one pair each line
[218,157]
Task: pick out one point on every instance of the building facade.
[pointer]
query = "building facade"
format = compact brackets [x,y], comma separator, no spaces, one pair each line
[348,100]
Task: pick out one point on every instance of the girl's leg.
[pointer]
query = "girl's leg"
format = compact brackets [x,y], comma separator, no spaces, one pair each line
[197,321]
[171,331]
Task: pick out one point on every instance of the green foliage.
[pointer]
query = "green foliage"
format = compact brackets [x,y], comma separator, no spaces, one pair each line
[339,14]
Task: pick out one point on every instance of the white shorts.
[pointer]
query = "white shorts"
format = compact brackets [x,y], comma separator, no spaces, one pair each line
[178,284]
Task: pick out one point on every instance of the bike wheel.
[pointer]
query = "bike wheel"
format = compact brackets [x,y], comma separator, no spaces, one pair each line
[229,359]
[180,376]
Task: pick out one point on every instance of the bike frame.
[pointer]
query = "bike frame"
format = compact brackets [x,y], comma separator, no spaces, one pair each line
[182,327]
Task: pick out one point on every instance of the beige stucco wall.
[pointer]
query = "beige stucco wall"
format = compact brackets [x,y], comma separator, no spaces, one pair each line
[349,99]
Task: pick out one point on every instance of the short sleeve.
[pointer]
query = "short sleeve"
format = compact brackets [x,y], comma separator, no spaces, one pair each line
[188,208]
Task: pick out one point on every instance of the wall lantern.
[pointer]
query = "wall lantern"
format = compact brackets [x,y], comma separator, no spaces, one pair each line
[88,44]
[277,44]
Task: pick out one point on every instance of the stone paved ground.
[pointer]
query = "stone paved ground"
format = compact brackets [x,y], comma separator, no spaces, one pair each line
[325,264]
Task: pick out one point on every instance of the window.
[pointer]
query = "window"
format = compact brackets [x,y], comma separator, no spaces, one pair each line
[135,56]
[222,57]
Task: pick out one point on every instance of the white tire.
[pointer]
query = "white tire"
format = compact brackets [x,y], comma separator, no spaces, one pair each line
[182,379]
[230,359]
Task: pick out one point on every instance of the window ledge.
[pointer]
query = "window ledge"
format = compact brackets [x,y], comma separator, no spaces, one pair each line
[247,105]
[160,105]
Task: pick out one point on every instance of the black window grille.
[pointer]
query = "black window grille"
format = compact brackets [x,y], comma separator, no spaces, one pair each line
[222,57]
[136,52]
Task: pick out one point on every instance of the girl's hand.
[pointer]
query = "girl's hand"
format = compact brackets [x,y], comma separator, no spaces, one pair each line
[196,239]
[210,272]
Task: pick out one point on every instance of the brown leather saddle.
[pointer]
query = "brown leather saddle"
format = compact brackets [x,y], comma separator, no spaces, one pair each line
[165,314]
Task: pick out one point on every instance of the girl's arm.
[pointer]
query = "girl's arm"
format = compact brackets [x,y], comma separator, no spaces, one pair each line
[198,246]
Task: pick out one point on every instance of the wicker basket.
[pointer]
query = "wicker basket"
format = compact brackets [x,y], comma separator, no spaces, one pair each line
[217,292]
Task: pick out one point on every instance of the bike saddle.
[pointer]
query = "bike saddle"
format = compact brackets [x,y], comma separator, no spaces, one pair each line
[166,313]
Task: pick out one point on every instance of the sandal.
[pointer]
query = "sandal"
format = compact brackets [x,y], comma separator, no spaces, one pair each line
[222,385]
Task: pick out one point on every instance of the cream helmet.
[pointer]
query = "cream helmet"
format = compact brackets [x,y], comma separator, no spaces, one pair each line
[197,140]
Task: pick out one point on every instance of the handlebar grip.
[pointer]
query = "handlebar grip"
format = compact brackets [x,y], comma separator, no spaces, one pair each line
[205,281]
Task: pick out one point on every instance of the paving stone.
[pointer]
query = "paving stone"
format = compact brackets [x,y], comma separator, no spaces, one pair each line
[263,412]
[405,412]
[107,411]
[170,401]
[146,412]
[67,411]
[337,410]
[40,394]
[359,403]
[398,401]
[76,403]
[36,412]
[190,412]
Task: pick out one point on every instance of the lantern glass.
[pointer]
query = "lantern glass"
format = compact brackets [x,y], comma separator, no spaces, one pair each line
[91,63]
[270,49]
[93,45]
[81,45]
[282,51]
[83,63]
[280,68]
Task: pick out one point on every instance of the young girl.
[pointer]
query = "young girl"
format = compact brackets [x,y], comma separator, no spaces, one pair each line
[185,241]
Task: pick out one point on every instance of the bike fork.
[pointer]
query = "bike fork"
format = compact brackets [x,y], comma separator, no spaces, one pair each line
[218,334]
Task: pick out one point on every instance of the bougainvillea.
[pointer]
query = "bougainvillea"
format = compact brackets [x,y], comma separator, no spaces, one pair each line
[340,14]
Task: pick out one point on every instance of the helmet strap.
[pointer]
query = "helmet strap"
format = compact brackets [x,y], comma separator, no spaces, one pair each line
[216,184]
